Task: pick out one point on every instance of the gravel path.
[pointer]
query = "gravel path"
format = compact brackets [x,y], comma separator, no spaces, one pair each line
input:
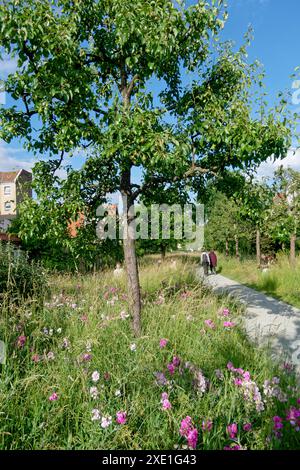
[266,319]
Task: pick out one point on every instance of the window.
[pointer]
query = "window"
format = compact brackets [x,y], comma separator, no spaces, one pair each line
[7,206]
[7,190]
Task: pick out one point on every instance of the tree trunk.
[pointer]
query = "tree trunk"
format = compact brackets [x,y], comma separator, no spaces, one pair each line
[237,254]
[293,249]
[258,252]
[163,250]
[226,248]
[130,254]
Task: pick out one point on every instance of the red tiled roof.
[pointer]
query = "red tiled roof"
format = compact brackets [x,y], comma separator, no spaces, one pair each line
[6,237]
[8,176]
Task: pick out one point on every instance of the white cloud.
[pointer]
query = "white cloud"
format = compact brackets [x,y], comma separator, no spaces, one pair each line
[292,160]
[7,65]
[12,159]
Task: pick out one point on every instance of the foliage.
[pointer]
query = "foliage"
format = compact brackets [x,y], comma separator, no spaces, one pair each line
[19,277]
[68,340]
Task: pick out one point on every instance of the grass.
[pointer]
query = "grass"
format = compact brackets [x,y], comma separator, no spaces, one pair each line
[82,329]
[280,281]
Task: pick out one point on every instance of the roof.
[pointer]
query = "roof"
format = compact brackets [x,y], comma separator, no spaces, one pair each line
[10,176]
[6,237]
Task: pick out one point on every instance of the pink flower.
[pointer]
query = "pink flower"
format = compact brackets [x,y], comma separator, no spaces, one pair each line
[235,447]
[232,430]
[121,417]
[164,396]
[210,323]
[35,358]
[171,368]
[247,427]
[84,318]
[166,404]
[230,366]
[229,324]
[86,357]
[53,397]
[21,341]
[277,423]
[246,376]
[238,382]
[225,312]
[192,438]
[163,343]
[207,425]
[186,426]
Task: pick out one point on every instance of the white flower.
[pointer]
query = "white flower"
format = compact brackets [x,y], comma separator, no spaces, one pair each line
[59,330]
[133,347]
[94,392]
[106,421]
[95,376]
[124,315]
[88,346]
[96,416]
[117,393]
[50,356]
[51,332]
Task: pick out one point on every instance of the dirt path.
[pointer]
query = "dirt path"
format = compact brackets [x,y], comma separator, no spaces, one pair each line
[266,319]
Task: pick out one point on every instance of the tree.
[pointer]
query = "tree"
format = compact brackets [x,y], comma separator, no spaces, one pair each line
[83,82]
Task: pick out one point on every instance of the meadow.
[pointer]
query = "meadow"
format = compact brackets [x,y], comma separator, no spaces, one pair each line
[75,377]
[280,281]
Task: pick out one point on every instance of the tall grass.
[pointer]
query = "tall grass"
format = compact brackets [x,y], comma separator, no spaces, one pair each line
[83,328]
[280,281]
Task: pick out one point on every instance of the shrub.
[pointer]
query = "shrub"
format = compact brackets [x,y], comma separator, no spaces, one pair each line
[19,277]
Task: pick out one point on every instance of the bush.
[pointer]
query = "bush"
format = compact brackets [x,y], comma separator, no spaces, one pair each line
[19,278]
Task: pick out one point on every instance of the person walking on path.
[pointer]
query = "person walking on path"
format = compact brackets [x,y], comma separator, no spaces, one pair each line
[205,262]
[213,261]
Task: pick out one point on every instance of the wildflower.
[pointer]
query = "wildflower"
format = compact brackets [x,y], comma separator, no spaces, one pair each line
[166,405]
[192,438]
[234,447]
[123,315]
[171,368]
[219,374]
[51,332]
[50,356]
[238,382]
[186,426]
[247,427]
[121,417]
[200,383]
[86,357]
[117,393]
[232,430]
[163,343]
[21,341]
[293,416]
[73,306]
[207,425]
[53,397]
[176,361]
[59,330]
[88,346]
[210,323]
[106,376]
[190,318]
[94,392]
[161,379]
[106,421]
[225,312]
[229,324]
[84,318]
[96,416]
[95,376]
[277,423]
[133,347]
[66,343]
[35,358]
[45,331]
[288,367]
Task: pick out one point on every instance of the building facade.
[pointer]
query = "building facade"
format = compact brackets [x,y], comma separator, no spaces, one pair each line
[14,187]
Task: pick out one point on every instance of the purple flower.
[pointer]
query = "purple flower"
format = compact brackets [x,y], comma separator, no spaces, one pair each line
[171,368]
[86,357]
[247,427]
[21,341]
[277,423]
[235,447]
[186,426]
[176,361]
[163,343]
[232,430]
[53,397]
[192,438]
[161,379]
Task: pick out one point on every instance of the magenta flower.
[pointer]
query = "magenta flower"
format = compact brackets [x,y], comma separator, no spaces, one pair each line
[210,323]
[229,324]
[163,343]
[232,430]
[207,425]
[192,438]
[86,357]
[171,368]
[186,426]
[121,417]
[166,404]
[235,447]
[293,416]
[21,341]
[53,397]
[247,427]
[230,366]
[277,423]
[238,382]
[176,361]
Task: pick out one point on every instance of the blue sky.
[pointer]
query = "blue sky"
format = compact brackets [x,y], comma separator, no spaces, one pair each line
[275,44]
